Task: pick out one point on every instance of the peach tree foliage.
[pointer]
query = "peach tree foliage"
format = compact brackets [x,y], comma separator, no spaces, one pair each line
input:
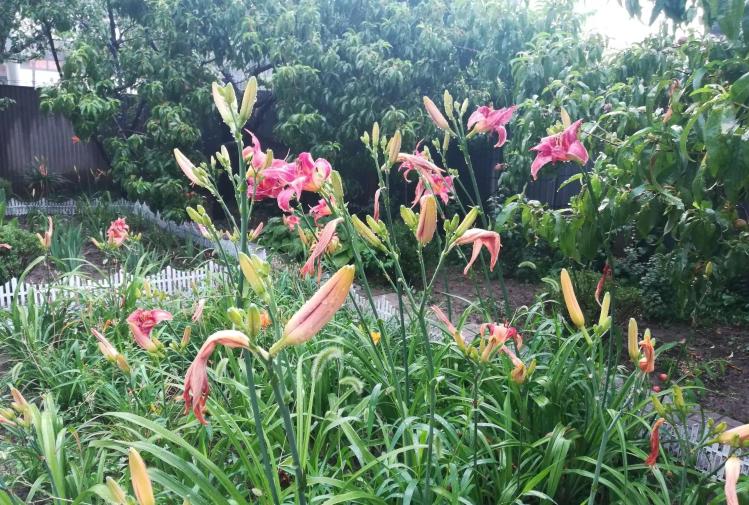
[135,73]
[666,125]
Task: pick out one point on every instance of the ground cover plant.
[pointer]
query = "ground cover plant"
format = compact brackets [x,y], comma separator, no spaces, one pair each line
[262,387]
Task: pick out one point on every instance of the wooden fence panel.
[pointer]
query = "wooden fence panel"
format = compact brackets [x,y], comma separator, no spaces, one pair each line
[26,132]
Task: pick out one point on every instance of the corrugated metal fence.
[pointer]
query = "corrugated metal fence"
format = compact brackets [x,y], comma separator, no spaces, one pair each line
[545,189]
[27,133]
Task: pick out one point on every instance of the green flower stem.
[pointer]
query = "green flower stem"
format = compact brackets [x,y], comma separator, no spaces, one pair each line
[248,362]
[244,211]
[301,483]
[463,143]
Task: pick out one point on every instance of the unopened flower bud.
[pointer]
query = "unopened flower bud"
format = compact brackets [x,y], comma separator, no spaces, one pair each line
[375,134]
[236,316]
[604,309]
[678,397]
[658,406]
[365,139]
[632,347]
[434,114]
[366,233]
[185,337]
[447,100]
[467,222]
[394,147]
[409,217]
[464,107]
[254,323]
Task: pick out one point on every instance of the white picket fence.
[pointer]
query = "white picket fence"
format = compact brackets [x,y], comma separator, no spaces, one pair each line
[169,280]
[187,229]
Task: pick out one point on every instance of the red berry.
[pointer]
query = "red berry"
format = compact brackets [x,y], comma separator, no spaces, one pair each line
[663,377]
[656,389]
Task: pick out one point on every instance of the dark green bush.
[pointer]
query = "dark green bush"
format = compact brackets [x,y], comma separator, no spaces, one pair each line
[25,247]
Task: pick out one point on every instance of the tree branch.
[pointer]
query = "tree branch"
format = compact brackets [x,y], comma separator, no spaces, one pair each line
[51,41]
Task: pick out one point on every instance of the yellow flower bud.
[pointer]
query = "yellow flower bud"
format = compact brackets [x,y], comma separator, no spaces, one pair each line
[604,309]
[678,397]
[467,222]
[249,98]
[140,479]
[366,233]
[447,99]
[394,147]
[632,348]
[409,217]
[375,134]
[573,308]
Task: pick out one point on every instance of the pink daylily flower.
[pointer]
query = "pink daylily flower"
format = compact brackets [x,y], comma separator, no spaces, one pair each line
[323,241]
[254,234]
[196,379]
[141,323]
[291,221]
[431,178]
[480,238]
[322,209]
[563,146]
[486,119]
[6,246]
[281,180]
[118,232]
[315,172]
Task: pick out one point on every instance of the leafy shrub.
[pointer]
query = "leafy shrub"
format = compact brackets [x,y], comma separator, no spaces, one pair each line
[25,247]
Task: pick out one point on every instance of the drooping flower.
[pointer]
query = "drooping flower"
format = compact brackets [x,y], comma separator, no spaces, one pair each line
[740,432]
[376,214]
[654,442]
[480,238]
[109,351]
[139,476]
[570,300]
[323,241]
[46,240]
[7,247]
[647,362]
[563,146]
[451,329]
[607,272]
[118,232]
[431,178]
[322,209]
[188,168]
[317,311]
[732,472]
[198,312]
[141,323]
[427,220]
[486,119]
[196,379]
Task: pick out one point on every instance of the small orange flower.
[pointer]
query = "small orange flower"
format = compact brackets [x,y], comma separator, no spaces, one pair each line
[654,442]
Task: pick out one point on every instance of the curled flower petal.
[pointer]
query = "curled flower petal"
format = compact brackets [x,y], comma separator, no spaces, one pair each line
[196,387]
[654,442]
[732,472]
[480,238]
[323,241]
